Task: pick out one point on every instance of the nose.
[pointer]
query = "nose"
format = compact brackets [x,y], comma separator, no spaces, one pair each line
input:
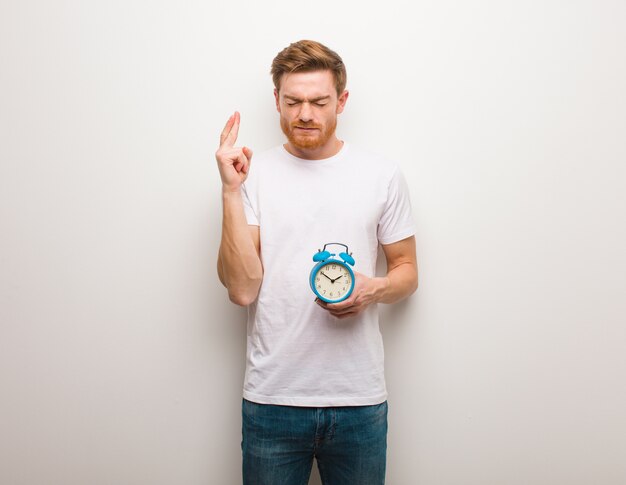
[305,113]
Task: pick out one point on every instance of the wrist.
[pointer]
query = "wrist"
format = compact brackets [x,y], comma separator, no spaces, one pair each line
[230,192]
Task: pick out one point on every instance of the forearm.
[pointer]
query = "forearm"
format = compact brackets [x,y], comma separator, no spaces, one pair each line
[399,283]
[238,260]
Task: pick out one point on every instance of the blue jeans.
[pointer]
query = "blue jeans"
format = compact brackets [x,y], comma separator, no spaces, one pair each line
[279,443]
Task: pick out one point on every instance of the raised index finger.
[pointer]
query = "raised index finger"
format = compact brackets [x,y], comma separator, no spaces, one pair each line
[230,131]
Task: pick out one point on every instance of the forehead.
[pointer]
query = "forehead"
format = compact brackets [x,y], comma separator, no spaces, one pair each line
[308,84]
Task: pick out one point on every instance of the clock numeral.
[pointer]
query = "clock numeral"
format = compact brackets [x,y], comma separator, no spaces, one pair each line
[344,288]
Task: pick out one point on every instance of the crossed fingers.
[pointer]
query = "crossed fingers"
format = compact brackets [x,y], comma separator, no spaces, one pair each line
[230,131]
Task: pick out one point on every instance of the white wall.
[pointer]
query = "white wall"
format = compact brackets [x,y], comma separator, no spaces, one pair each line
[121,359]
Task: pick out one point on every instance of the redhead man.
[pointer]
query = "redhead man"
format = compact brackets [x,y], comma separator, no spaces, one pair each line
[314,385]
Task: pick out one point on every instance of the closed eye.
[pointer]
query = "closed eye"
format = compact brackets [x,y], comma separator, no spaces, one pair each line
[316,104]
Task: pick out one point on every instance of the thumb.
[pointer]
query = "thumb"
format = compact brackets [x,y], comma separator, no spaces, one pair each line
[248,153]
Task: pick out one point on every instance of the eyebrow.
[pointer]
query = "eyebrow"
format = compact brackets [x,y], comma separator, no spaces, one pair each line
[319,98]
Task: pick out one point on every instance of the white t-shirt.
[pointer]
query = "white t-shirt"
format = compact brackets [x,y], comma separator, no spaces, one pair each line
[298,354]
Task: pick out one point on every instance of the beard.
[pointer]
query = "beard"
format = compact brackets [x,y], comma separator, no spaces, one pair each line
[308,141]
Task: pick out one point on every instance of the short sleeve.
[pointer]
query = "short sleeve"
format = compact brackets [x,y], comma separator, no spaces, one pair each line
[248,207]
[396,222]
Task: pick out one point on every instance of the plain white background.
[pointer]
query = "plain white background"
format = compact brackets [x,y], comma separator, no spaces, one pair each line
[121,358]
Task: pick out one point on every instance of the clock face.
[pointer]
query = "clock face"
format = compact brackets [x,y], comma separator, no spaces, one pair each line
[333,281]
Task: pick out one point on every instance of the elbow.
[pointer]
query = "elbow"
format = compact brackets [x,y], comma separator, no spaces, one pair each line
[241,299]
[245,297]
[415,282]
[411,289]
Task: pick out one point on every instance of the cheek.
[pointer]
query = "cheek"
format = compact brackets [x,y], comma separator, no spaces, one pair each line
[285,120]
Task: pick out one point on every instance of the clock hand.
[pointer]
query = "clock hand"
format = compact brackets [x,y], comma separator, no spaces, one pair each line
[327,276]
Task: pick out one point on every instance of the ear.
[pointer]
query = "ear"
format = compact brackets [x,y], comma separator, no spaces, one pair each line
[277,98]
[341,101]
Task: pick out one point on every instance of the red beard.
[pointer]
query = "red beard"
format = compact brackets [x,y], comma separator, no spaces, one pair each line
[307,141]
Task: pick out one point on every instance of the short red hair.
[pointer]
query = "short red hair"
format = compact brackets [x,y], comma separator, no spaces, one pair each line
[309,55]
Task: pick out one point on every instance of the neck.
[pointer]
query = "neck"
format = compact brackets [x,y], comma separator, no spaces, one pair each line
[332,147]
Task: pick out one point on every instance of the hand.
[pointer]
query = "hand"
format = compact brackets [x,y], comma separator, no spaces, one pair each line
[366,291]
[232,162]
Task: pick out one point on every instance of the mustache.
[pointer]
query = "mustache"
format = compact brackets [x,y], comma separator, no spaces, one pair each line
[305,126]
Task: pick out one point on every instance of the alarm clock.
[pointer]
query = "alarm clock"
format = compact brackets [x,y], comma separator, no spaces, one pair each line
[332,280]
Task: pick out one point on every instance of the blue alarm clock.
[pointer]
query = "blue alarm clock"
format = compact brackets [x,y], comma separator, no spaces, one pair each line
[332,280]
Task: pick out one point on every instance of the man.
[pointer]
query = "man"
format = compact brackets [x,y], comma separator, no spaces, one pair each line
[314,383]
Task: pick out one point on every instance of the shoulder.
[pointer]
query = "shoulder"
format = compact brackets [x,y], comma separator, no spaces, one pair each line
[267,155]
[263,162]
[373,163]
